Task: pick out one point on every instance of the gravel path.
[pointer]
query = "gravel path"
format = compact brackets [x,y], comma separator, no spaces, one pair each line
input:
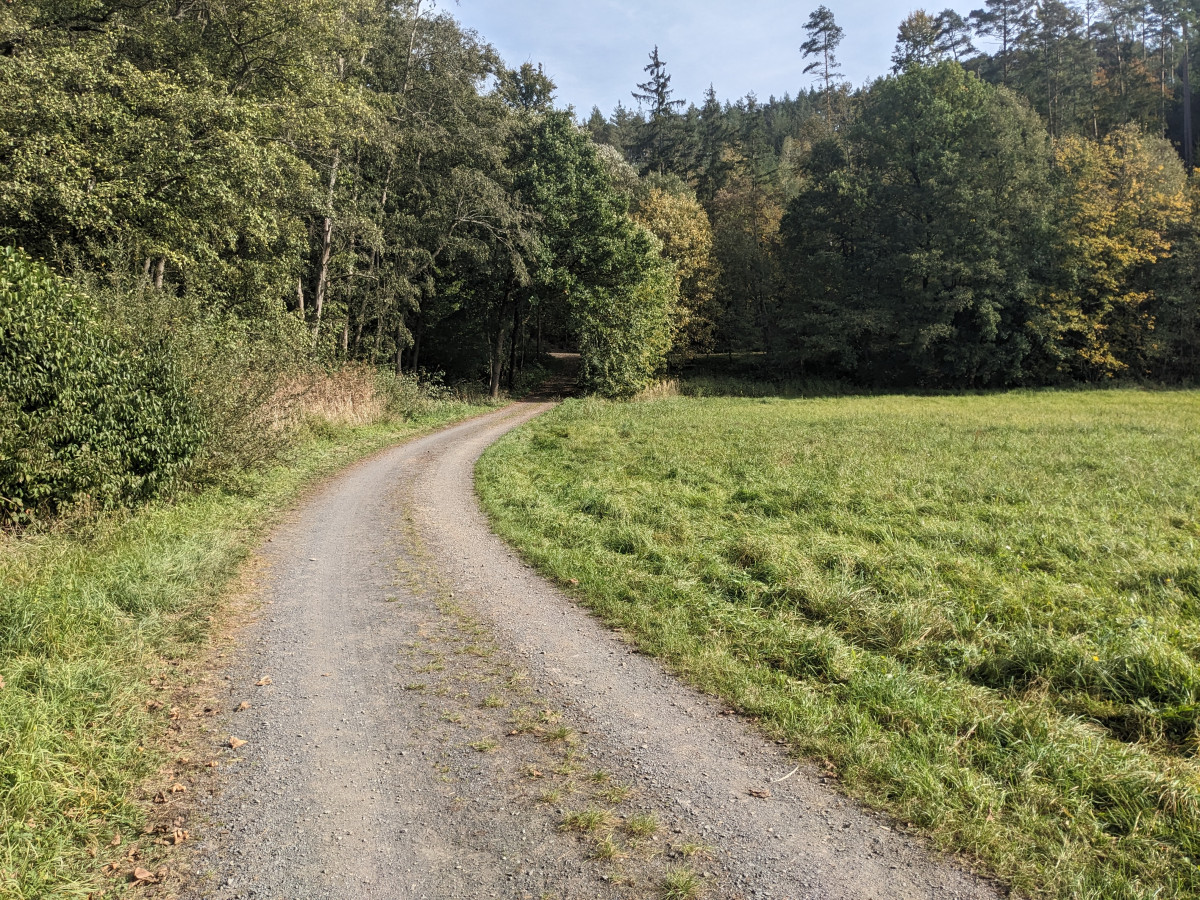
[436,721]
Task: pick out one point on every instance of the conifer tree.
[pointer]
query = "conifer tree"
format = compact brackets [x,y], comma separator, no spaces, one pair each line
[655,150]
[824,37]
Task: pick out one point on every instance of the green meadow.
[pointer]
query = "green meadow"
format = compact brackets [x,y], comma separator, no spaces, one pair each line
[981,612]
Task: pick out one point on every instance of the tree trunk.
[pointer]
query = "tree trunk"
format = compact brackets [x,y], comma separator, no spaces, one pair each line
[512,348]
[539,332]
[326,249]
[1189,148]
[159,273]
[417,332]
[497,357]
[400,347]
[300,298]
[378,339]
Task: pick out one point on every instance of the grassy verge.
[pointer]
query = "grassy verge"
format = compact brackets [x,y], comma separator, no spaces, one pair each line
[982,612]
[91,624]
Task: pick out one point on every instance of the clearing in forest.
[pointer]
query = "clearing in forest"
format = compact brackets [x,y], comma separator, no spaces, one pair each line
[981,611]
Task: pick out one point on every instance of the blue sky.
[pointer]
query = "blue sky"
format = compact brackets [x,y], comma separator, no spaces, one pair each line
[595,49]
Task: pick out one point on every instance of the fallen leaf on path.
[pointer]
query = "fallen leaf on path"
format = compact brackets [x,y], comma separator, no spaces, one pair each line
[141,876]
[213,764]
[1,682]
[180,836]
[245,705]
[116,841]
[326,674]
[234,743]
[264,682]
[761,795]
[178,789]
[154,705]
[574,582]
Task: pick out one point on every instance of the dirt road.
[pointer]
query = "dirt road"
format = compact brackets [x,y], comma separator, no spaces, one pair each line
[435,721]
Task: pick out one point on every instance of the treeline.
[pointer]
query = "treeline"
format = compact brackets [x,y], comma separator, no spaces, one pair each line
[281,181]
[1018,216]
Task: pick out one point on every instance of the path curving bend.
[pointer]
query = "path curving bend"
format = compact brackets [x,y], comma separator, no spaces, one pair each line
[403,640]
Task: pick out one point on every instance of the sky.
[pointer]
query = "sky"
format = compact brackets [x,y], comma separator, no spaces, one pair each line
[595,50]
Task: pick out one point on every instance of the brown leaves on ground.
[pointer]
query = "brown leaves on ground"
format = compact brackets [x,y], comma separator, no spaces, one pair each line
[2,682]
[235,743]
[142,876]
[264,681]
[243,706]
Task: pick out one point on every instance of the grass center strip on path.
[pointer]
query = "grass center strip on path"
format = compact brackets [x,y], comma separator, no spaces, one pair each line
[96,628]
[981,611]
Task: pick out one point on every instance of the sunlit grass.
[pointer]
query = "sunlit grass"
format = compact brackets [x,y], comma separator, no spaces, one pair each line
[982,609]
[86,621]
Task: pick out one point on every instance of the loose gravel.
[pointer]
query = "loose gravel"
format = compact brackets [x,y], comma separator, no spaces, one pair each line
[428,718]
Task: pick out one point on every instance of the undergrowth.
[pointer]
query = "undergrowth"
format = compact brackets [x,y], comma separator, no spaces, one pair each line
[982,611]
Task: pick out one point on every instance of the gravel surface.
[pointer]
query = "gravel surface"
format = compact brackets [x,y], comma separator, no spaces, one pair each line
[434,720]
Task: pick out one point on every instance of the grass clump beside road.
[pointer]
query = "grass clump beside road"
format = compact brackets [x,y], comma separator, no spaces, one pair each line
[94,621]
[982,612]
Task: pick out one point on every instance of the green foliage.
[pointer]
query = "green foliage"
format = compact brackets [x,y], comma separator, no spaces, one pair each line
[84,419]
[912,249]
[625,334]
[982,609]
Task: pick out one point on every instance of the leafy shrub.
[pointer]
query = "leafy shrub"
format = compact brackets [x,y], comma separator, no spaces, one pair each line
[84,417]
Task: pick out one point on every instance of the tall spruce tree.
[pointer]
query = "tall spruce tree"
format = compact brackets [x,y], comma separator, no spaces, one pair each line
[657,146]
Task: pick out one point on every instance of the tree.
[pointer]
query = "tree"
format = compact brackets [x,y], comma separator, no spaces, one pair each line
[953,36]
[668,208]
[657,148]
[916,41]
[1004,21]
[824,37]
[1118,202]
[911,251]
[527,88]
[714,143]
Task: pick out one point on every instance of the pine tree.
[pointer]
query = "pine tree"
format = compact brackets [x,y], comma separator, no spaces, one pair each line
[953,36]
[714,137]
[824,37]
[1004,21]
[655,150]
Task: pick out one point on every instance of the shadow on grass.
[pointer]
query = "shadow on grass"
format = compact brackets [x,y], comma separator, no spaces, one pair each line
[760,376]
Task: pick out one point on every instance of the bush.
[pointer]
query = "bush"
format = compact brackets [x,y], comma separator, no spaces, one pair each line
[85,418]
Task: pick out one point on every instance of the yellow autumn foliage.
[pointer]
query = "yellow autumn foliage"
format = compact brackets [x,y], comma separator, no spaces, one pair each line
[1120,200]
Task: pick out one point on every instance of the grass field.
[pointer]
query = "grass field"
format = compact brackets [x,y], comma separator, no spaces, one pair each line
[95,623]
[983,611]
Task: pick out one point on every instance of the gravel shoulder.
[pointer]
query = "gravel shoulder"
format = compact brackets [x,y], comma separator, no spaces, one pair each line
[425,717]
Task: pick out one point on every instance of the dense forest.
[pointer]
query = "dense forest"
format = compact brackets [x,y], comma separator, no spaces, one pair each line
[195,195]
[1011,205]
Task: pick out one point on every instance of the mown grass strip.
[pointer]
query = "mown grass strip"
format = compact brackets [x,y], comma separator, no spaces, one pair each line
[981,610]
[92,623]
